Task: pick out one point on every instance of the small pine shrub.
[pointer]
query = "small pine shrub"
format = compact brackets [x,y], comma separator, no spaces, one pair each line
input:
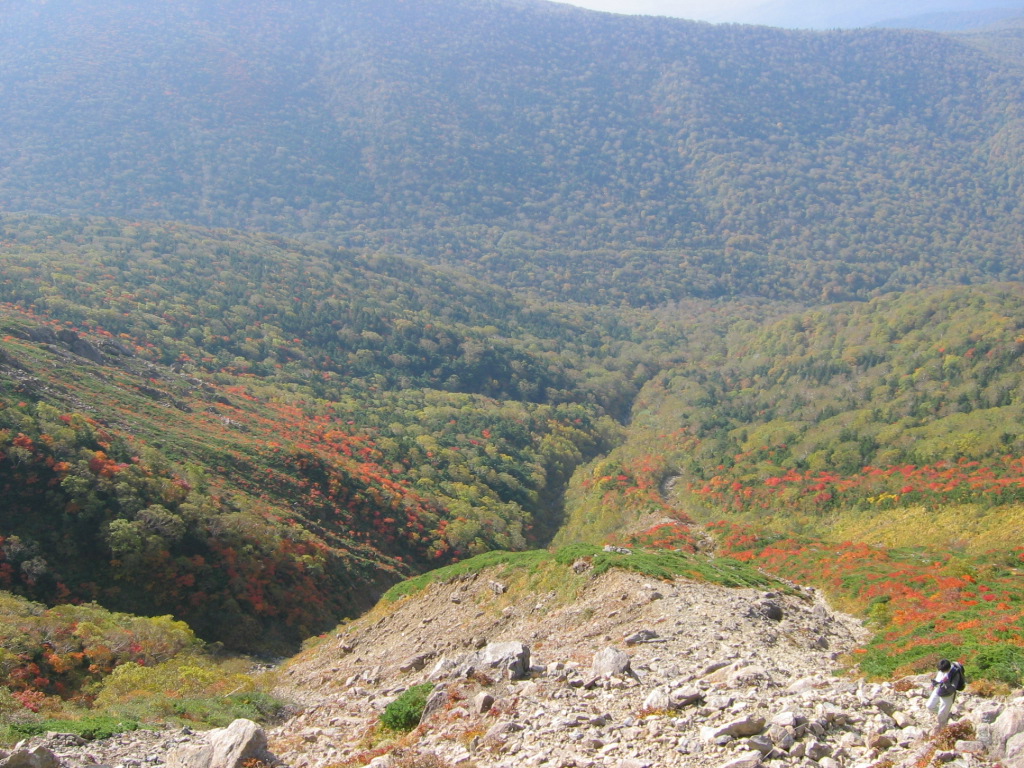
[91,727]
[1003,663]
[220,711]
[404,713]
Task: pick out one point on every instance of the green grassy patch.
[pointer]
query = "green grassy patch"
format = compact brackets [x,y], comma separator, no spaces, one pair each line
[535,565]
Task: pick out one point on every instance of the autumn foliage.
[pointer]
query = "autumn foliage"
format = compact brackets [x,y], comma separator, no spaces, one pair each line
[921,605]
[257,513]
[964,481]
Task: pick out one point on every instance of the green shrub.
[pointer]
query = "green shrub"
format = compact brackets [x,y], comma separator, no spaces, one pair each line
[1003,662]
[221,711]
[404,713]
[188,688]
[186,676]
[91,727]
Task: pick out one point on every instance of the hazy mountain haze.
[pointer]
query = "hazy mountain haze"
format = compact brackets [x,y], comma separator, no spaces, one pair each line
[803,14]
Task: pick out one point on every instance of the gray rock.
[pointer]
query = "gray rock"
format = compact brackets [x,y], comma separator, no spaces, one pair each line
[902,719]
[80,346]
[1013,755]
[910,735]
[611,661]
[885,722]
[500,732]
[720,702]
[482,702]
[415,663]
[512,658]
[751,725]
[970,747]
[815,750]
[771,610]
[749,759]
[642,636]
[748,675]
[37,757]
[115,347]
[788,719]
[661,698]
[987,712]
[884,705]
[229,747]
[880,741]
[715,666]
[436,701]
[832,716]
[54,739]
[682,697]
[1004,729]
[802,685]
[658,699]
[782,736]
[761,743]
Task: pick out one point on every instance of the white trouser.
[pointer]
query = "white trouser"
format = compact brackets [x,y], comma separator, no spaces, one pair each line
[942,706]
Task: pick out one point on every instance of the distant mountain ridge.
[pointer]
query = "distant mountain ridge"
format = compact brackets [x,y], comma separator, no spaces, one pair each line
[958,21]
[937,15]
[955,15]
[550,146]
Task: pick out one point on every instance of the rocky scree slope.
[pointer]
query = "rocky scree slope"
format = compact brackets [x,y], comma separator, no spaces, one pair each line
[629,672]
[633,672]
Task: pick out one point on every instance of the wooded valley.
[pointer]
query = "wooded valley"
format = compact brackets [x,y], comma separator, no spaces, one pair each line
[301,299]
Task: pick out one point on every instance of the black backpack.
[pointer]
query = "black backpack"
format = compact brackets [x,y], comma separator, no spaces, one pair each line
[956,677]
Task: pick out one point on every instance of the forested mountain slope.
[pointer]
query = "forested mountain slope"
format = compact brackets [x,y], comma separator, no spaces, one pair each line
[259,436]
[591,156]
[894,421]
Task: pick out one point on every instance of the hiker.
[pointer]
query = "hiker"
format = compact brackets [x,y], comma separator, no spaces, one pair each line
[949,678]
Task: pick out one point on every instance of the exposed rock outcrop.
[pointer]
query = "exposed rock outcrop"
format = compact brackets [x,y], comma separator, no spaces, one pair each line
[241,744]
